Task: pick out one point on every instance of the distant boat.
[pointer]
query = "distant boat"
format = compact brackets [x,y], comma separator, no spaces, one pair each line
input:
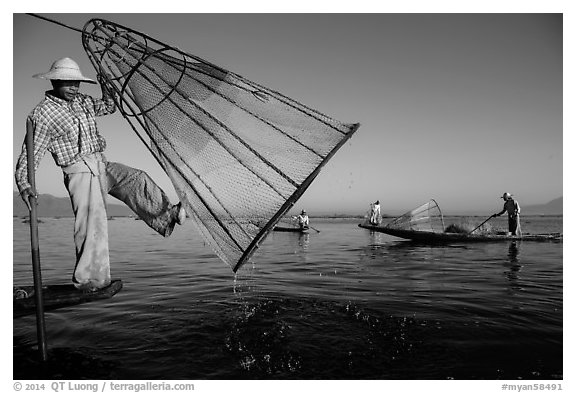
[27,220]
[447,237]
[425,224]
[291,229]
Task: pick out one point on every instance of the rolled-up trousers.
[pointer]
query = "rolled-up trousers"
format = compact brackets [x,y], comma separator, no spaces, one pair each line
[88,181]
[514,225]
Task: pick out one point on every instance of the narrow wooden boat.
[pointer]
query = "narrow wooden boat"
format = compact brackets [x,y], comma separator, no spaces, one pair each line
[447,237]
[59,296]
[425,224]
[291,229]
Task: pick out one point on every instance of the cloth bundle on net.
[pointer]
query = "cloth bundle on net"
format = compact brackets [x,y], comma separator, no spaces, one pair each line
[427,217]
[238,154]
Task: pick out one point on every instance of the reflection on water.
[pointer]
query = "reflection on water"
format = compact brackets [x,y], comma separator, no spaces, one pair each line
[304,240]
[513,265]
[342,303]
[513,252]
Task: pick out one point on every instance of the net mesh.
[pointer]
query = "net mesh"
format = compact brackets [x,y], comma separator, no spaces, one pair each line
[427,217]
[238,154]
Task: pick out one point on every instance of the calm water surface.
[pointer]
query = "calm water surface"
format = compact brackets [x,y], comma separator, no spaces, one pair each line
[344,303]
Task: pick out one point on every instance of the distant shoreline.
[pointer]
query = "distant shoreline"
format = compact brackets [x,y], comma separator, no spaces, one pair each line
[51,206]
[347,217]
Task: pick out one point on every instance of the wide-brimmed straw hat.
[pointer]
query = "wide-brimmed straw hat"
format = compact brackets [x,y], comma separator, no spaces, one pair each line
[64,69]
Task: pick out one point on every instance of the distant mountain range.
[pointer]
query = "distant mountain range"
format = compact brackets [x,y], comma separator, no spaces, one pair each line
[554,207]
[51,206]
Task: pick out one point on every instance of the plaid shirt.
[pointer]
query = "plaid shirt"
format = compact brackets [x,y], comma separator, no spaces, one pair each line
[66,129]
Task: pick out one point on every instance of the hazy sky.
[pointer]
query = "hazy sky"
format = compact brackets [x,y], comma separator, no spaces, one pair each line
[455,107]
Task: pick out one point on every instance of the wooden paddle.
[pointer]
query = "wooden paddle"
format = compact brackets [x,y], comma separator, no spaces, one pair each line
[484,222]
[314,228]
[35,248]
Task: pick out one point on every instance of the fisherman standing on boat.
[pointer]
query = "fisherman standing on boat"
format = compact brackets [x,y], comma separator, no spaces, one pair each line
[513,208]
[375,218]
[64,123]
[303,220]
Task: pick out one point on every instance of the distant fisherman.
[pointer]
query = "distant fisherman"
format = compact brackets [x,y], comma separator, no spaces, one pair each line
[64,123]
[303,220]
[375,217]
[513,208]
